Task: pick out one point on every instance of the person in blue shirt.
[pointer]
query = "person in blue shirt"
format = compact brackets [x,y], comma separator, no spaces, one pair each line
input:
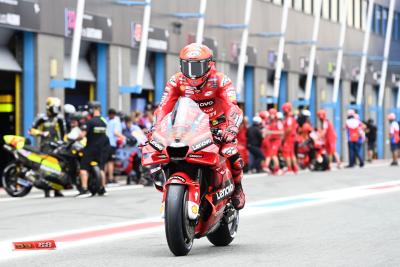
[114,133]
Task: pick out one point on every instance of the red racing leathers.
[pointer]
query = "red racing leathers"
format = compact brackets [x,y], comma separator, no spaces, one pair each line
[217,98]
[289,138]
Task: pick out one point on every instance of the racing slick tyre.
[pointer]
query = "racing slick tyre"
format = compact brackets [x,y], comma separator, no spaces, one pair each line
[225,233]
[94,180]
[179,230]
[12,181]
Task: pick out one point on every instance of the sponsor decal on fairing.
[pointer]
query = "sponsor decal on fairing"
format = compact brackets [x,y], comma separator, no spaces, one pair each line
[156,145]
[202,144]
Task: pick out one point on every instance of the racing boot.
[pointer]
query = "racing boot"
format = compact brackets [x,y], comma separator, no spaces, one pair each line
[238,197]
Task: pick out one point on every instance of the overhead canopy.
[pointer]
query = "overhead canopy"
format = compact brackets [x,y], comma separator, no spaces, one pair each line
[147,79]
[84,72]
[8,61]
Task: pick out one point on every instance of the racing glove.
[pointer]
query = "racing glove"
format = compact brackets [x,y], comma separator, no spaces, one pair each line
[230,134]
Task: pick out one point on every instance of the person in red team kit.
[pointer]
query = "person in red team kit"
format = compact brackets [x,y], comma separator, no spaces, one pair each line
[215,95]
[329,135]
[274,132]
[289,138]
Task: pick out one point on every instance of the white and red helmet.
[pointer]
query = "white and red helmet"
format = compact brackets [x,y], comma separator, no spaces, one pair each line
[196,63]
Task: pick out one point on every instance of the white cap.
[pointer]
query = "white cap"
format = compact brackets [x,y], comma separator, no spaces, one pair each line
[257,120]
[306,112]
[69,109]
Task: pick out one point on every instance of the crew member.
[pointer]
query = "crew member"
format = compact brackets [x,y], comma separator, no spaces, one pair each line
[274,133]
[329,136]
[394,138]
[97,140]
[289,138]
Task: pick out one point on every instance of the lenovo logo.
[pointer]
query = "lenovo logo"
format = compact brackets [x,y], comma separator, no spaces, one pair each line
[225,192]
[202,144]
[159,147]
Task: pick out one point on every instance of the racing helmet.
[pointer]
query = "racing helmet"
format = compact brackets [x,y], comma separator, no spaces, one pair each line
[321,114]
[196,63]
[53,106]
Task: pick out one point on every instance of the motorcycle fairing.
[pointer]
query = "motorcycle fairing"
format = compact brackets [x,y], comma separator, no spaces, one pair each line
[15,141]
[193,192]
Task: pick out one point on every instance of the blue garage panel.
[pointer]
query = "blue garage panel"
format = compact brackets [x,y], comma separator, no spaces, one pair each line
[101,94]
[28,82]
[338,121]
[160,76]
[282,90]
[249,92]
[312,105]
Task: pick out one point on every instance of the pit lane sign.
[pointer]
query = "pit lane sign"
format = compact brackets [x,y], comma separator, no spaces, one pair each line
[20,14]
[94,27]
[157,38]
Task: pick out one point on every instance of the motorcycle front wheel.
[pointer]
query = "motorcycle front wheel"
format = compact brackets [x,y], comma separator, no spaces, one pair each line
[14,182]
[179,230]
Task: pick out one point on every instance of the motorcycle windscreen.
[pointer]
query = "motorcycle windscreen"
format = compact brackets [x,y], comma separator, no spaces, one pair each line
[187,122]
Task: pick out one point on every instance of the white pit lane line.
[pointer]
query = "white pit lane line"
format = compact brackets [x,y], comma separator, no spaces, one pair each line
[95,235]
[70,193]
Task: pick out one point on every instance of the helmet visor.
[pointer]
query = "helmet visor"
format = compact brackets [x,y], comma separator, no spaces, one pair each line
[194,69]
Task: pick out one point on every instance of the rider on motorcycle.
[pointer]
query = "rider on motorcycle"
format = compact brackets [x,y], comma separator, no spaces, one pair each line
[215,95]
[50,127]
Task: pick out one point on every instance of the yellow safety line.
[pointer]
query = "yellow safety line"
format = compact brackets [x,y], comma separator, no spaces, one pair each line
[17,103]
[91,92]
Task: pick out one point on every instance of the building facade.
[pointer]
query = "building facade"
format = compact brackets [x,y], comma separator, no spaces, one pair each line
[36,37]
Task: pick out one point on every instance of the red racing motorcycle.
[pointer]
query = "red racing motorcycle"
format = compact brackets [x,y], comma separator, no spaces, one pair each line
[192,172]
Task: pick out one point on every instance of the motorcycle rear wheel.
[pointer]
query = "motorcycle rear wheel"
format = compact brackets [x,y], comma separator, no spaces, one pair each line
[178,228]
[9,181]
[94,180]
[225,233]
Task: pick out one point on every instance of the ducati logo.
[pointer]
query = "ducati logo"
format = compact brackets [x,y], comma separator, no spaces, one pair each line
[202,144]
[209,93]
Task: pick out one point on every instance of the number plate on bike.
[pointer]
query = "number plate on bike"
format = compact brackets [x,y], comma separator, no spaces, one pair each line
[31,245]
